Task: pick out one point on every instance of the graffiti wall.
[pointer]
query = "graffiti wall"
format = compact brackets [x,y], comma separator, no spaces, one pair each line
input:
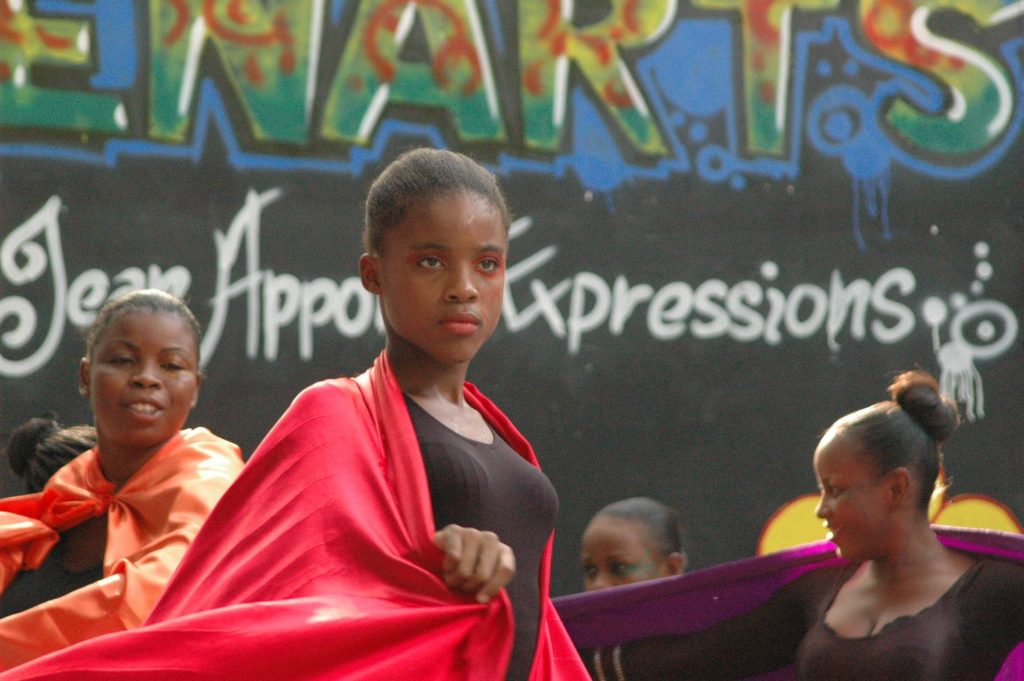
[734,219]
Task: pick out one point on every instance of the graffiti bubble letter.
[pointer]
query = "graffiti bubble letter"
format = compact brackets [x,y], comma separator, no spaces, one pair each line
[268,51]
[458,79]
[29,45]
[550,44]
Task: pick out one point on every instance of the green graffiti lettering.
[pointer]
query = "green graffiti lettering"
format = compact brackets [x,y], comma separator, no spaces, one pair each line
[373,73]
[264,47]
[981,92]
[767,51]
[27,42]
[550,44]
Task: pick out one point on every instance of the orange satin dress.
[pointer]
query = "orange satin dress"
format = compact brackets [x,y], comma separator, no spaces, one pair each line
[151,521]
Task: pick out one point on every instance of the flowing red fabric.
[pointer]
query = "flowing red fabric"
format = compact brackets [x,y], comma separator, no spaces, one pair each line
[319,563]
[151,520]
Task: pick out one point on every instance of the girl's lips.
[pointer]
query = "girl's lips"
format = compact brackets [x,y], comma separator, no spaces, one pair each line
[461,324]
[461,328]
[144,411]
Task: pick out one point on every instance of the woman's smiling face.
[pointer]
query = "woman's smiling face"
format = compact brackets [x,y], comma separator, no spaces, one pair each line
[853,500]
[143,379]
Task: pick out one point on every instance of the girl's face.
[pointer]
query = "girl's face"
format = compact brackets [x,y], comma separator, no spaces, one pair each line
[854,500]
[440,275]
[620,551]
[143,380]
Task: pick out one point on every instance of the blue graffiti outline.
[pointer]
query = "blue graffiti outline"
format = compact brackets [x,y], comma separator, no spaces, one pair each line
[211,110]
[335,10]
[867,153]
[905,81]
[497,36]
[117,66]
[921,92]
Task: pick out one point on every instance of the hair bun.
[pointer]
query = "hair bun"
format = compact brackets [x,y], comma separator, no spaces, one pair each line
[917,393]
[21,447]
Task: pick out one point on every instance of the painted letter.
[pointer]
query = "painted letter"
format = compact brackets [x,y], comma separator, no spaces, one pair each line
[269,51]
[981,93]
[27,42]
[459,77]
[549,43]
[767,50]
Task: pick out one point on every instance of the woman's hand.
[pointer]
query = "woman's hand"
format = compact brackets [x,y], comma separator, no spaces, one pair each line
[475,562]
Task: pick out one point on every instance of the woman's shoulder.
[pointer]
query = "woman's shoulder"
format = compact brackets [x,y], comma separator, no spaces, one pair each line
[329,395]
[816,587]
[1001,575]
[205,441]
[334,406]
[195,458]
[990,586]
[321,415]
[991,604]
[79,470]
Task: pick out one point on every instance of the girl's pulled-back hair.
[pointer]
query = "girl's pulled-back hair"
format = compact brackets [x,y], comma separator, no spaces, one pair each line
[909,430]
[419,176]
[662,520]
[917,393]
[39,447]
[149,300]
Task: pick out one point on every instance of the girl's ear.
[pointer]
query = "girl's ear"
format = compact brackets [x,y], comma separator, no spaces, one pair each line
[83,377]
[898,483]
[369,272]
[676,562]
[199,384]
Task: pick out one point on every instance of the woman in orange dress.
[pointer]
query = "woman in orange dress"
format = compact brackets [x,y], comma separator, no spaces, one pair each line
[92,552]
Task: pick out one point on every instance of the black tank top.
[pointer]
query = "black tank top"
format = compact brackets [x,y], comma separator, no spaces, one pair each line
[488,486]
[50,580]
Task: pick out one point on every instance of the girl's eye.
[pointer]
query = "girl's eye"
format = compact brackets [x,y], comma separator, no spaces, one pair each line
[120,360]
[620,569]
[430,262]
[590,571]
[170,366]
[490,265]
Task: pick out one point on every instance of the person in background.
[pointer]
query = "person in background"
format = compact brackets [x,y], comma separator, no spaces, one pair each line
[390,526]
[39,447]
[631,540]
[92,551]
[900,605]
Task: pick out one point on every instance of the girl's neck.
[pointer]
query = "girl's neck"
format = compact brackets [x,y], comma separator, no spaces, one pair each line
[421,376]
[914,551]
[119,465]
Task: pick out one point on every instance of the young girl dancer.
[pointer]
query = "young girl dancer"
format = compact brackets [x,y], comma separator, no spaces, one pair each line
[390,526]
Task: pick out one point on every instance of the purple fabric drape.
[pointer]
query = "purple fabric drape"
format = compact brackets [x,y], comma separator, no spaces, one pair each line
[693,601]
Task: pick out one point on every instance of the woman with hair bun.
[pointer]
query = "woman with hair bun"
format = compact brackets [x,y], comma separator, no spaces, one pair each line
[39,447]
[899,605]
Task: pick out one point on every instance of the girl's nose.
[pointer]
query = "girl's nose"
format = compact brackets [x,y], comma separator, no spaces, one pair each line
[461,287]
[146,375]
[599,581]
[821,511]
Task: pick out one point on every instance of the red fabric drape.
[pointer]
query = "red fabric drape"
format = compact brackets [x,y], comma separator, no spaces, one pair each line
[319,564]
